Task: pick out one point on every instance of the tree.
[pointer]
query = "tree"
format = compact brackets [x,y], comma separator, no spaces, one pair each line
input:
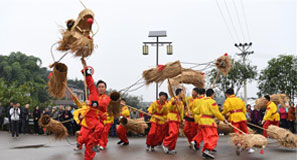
[280,76]
[235,78]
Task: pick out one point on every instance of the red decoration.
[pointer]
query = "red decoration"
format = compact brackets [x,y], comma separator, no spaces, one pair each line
[50,75]
[161,67]
[89,36]
[226,54]
[90,20]
[202,73]
[262,151]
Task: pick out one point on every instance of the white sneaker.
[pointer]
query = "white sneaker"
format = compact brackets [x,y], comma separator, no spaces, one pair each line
[165,149]
[148,148]
[172,151]
[250,151]
[101,148]
[193,144]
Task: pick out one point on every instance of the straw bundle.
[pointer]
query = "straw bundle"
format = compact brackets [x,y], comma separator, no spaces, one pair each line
[226,129]
[57,81]
[247,141]
[76,38]
[223,64]
[161,73]
[276,98]
[114,106]
[56,127]
[181,130]
[284,137]
[189,76]
[134,125]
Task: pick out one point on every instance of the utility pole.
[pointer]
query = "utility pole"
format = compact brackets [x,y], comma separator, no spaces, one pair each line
[244,53]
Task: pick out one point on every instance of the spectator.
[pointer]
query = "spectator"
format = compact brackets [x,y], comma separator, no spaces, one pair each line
[36,117]
[15,118]
[134,114]
[2,112]
[46,112]
[60,113]
[66,117]
[283,117]
[256,118]
[249,112]
[25,119]
[292,117]
[20,120]
[54,113]
[8,115]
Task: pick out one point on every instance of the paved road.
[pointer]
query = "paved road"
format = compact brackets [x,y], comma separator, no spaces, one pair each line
[36,147]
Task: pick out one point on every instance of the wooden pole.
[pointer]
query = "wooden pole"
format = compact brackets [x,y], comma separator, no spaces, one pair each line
[85,76]
[145,113]
[214,82]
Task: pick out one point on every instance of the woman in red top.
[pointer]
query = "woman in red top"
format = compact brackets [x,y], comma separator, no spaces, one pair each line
[283,117]
[292,117]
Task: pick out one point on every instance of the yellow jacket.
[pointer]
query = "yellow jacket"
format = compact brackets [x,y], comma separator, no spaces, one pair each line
[82,111]
[208,110]
[271,112]
[158,110]
[236,107]
[197,103]
[125,112]
[189,102]
[109,119]
[175,110]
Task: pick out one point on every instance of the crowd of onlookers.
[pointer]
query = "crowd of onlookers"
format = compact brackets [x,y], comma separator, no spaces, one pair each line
[18,119]
[287,116]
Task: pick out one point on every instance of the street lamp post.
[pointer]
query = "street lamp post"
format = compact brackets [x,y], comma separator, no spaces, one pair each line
[157,34]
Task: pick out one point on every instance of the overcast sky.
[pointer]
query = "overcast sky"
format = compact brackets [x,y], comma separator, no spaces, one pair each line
[196,28]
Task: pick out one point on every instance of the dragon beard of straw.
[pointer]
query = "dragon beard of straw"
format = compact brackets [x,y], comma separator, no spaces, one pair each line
[134,125]
[223,64]
[56,127]
[58,80]
[276,98]
[283,136]
[114,106]
[247,141]
[159,74]
[77,39]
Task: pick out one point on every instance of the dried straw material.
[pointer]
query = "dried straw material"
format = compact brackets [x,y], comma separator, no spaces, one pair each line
[172,86]
[247,141]
[114,106]
[226,129]
[160,73]
[134,125]
[284,137]
[57,81]
[189,76]
[281,99]
[56,127]
[77,38]
[223,64]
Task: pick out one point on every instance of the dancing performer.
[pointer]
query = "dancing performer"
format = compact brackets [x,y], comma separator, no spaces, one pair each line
[121,130]
[271,116]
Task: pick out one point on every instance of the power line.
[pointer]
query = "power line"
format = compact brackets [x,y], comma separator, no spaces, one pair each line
[231,20]
[245,19]
[238,20]
[231,35]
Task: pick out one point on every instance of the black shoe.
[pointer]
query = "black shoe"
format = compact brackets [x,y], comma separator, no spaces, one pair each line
[207,154]
[17,135]
[120,142]
[125,144]
[77,147]
[215,151]
[152,149]
[95,149]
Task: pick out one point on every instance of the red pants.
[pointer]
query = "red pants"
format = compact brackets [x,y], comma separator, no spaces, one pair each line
[240,125]
[171,138]
[268,123]
[210,138]
[165,131]
[122,133]
[198,137]
[190,130]
[97,127]
[84,137]
[104,136]
[155,134]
